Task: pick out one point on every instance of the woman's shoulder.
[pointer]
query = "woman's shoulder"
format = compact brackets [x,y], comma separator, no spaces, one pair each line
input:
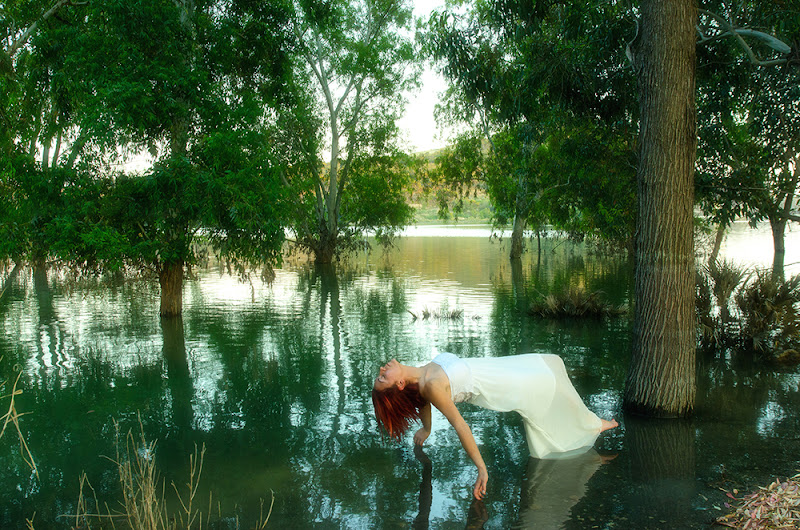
[434,382]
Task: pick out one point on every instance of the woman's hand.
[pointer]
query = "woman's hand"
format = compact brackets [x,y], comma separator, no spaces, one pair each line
[421,435]
[479,491]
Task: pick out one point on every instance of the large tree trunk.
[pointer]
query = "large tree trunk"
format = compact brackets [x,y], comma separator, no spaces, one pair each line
[661,378]
[171,279]
[325,248]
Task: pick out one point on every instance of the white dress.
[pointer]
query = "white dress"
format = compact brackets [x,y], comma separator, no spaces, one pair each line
[534,385]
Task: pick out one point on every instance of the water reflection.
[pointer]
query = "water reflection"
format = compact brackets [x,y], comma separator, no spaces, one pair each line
[275,379]
[477,515]
[662,466]
[179,378]
[421,521]
[551,488]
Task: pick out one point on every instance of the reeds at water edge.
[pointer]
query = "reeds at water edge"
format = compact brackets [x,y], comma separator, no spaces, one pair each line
[143,505]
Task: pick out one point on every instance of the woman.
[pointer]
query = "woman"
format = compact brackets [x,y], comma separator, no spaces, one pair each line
[534,385]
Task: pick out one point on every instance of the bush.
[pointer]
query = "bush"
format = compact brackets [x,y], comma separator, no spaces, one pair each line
[748,312]
[574,302]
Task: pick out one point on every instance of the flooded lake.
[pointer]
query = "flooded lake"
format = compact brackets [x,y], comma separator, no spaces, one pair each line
[274,381]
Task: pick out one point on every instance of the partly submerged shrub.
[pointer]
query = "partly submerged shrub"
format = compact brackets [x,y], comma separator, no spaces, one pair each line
[439,314]
[769,316]
[574,302]
[715,286]
[748,312]
[726,277]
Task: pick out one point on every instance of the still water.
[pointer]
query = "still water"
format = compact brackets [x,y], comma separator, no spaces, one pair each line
[274,381]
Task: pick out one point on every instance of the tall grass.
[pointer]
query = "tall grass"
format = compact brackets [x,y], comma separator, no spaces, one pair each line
[143,505]
[11,417]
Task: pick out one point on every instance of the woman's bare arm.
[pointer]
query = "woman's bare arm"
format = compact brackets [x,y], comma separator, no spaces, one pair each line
[441,399]
[422,434]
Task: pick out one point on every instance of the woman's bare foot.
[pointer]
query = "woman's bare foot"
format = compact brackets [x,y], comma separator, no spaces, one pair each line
[605,459]
[606,425]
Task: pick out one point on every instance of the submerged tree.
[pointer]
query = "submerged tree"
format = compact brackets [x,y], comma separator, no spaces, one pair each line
[749,99]
[192,83]
[553,77]
[357,59]
[661,376]
[661,379]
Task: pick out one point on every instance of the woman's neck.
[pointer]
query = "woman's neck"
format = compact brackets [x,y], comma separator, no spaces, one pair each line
[412,374]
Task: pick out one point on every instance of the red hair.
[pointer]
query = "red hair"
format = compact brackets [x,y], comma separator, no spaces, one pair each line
[395,409]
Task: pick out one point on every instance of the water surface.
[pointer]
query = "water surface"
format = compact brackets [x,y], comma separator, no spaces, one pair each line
[274,381]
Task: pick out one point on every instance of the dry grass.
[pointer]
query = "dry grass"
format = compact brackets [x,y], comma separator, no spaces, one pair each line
[143,505]
[11,417]
[776,506]
[574,302]
[439,314]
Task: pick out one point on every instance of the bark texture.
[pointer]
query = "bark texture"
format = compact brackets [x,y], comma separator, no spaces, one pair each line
[517,234]
[661,378]
[171,279]
[778,226]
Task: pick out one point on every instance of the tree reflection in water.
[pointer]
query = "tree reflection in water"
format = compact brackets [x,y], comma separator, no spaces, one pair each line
[662,460]
[275,381]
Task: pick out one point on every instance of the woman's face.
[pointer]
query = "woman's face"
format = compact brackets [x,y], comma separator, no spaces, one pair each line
[388,375]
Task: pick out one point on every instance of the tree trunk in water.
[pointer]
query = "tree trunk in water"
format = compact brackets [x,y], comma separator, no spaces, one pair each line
[779,241]
[171,279]
[661,376]
[720,235]
[516,237]
[326,246]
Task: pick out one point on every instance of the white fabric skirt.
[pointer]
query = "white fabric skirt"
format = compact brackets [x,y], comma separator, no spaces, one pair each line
[557,422]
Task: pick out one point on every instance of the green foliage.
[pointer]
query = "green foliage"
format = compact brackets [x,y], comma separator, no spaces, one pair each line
[378,188]
[43,206]
[547,86]
[589,178]
[748,116]
[755,314]
[459,171]
[13,235]
[192,83]
[355,59]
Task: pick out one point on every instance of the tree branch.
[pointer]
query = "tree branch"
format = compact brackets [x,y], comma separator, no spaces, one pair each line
[737,33]
[20,42]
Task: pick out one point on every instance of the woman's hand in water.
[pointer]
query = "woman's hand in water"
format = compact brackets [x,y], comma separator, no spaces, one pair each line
[480,484]
[421,435]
